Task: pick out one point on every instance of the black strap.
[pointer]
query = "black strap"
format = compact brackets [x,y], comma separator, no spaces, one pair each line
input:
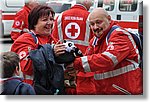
[111,30]
[34,37]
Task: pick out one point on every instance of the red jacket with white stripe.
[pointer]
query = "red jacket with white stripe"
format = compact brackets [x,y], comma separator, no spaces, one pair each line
[22,46]
[20,25]
[115,64]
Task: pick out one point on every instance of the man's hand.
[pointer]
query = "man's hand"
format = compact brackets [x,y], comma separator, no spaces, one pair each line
[70,75]
[69,65]
[70,70]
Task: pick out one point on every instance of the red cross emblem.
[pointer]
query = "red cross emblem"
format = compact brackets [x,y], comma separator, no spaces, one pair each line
[17,23]
[110,47]
[72,30]
[22,54]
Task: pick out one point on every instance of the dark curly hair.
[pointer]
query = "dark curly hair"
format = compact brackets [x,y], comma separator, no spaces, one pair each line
[38,12]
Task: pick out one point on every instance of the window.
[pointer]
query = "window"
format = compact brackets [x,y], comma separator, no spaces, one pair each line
[108,5]
[97,3]
[128,5]
[100,3]
[17,3]
[59,7]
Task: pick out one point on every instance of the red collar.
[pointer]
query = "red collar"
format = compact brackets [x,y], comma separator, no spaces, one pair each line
[79,6]
[101,38]
[107,30]
[27,8]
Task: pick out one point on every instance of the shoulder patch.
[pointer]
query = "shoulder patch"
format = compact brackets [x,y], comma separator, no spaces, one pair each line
[17,23]
[22,54]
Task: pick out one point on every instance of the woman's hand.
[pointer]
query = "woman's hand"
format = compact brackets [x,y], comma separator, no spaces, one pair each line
[59,48]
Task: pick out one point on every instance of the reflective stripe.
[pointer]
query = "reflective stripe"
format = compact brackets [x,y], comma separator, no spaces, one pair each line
[23,23]
[134,45]
[112,57]
[26,77]
[87,33]
[26,30]
[121,89]
[116,72]
[133,62]
[85,64]
[16,30]
[80,42]
[60,33]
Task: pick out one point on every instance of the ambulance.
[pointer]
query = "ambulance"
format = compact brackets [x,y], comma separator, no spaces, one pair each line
[9,9]
[60,6]
[128,13]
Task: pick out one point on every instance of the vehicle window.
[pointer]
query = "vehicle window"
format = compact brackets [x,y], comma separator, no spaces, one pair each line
[100,3]
[108,5]
[92,7]
[96,4]
[59,7]
[128,5]
[17,3]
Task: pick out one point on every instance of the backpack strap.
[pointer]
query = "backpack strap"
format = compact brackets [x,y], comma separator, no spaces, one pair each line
[137,38]
[109,33]
[34,37]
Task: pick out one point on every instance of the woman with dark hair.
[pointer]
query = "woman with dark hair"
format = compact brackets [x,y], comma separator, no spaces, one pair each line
[40,21]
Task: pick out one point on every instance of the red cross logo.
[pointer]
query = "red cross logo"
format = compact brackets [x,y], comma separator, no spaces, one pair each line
[22,54]
[110,47]
[17,23]
[73,30]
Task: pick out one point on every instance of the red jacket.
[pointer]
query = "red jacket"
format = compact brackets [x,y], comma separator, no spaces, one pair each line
[22,46]
[20,25]
[73,25]
[115,64]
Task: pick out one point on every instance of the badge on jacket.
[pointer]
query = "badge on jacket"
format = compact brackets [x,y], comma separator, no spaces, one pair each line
[17,23]
[111,46]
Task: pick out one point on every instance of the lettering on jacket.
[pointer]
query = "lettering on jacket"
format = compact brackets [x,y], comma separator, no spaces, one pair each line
[73,18]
